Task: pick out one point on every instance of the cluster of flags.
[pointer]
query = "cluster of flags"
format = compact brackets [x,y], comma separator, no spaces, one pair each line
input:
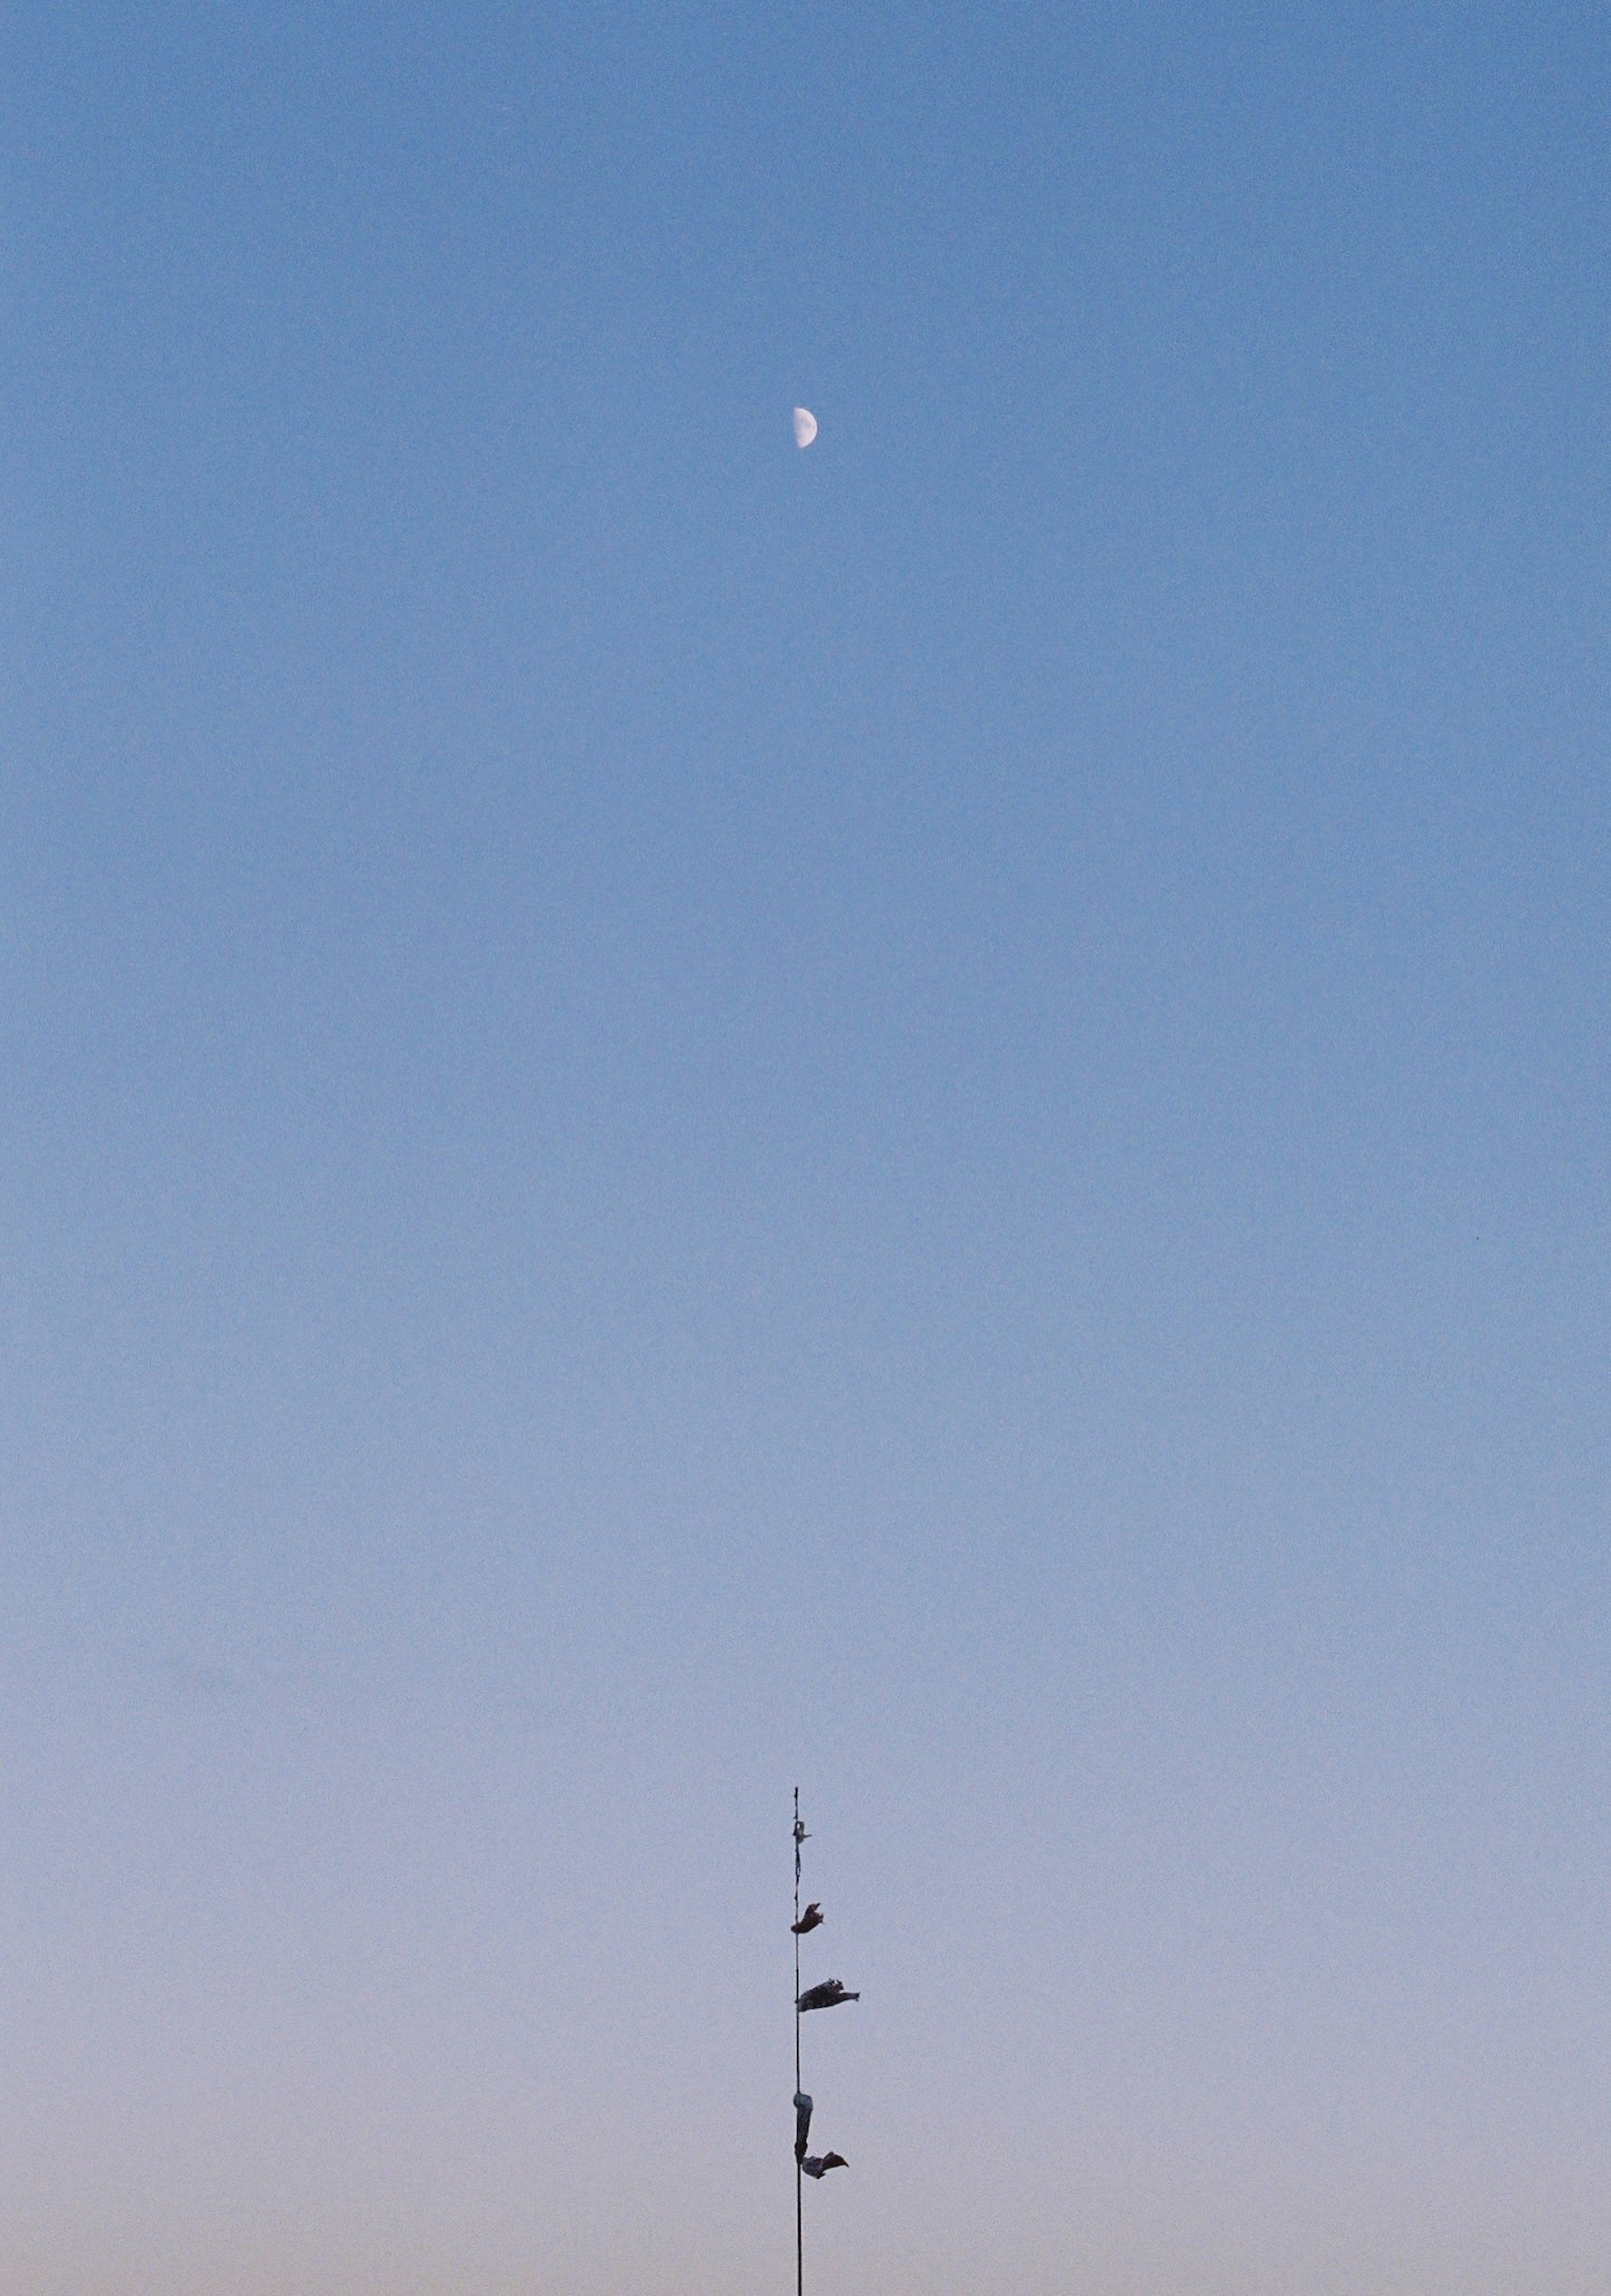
[827,1994]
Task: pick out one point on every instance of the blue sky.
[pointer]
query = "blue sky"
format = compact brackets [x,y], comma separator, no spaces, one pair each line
[927,1117]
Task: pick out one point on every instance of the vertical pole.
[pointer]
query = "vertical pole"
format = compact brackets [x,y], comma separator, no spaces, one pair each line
[800,2221]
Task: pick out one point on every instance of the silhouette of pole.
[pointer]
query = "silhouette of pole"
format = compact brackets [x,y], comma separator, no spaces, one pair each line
[798,2174]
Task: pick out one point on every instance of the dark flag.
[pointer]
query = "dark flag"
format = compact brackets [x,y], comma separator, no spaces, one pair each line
[828,1995]
[818,2164]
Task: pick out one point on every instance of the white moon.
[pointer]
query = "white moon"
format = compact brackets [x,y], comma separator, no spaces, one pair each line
[805,426]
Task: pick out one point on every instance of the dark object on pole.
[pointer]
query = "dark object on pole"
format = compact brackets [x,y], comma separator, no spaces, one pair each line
[803,2123]
[811,1919]
[818,2164]
[828,1995]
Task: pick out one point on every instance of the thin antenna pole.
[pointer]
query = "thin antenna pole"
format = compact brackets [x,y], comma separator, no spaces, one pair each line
[799,2183]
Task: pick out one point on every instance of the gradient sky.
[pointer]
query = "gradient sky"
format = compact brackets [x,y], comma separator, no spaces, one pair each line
[928,1118]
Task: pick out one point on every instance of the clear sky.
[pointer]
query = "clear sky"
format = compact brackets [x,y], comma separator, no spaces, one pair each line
[927,1116]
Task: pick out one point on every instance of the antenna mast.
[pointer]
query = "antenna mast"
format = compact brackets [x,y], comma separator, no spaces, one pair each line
[827,1994]
[799,2172]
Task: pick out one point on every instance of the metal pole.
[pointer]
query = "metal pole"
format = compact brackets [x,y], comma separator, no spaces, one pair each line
[798,2174]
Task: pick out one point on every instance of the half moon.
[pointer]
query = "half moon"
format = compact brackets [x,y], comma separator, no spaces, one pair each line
[805,426]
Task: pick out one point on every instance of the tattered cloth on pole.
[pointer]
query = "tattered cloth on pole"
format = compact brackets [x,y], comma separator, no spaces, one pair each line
[828,1995]
[811,1919]
[803,2123]
[818,2164]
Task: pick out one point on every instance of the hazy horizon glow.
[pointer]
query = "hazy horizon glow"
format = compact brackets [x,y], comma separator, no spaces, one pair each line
[926,1118]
